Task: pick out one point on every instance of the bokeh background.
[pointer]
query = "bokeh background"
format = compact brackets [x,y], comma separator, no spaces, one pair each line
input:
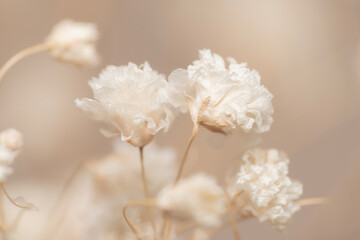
[307,52]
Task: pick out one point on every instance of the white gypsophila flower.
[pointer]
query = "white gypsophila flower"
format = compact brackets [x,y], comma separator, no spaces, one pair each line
[224,98]
[10,143]
[12,139]
[116,180]
[74,42]
[137,101]
[263,188]
[197,198]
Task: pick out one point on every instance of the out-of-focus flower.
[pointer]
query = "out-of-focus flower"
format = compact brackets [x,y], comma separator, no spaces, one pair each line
[74,42]
[137,101]
[10,143]
[11,139]
[116,180]
[224,98]
[263,188]
[197,198]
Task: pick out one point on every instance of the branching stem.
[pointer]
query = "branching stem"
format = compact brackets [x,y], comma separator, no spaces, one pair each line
[141,202]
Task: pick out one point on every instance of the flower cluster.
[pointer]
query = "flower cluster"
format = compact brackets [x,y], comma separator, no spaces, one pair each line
[264,189]
[74,42]
[137,101]
[10,143]
[197,198]
[224,98]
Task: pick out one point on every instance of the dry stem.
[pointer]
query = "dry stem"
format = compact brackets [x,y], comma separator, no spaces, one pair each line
[195,130]
[22,54]
[16,221]
[10,199]
[141,202]
[146,188]
[51,214]
[182,164]
[2,209]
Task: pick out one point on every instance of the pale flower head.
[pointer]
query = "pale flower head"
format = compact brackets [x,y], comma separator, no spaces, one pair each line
[223,98]
[197,198]
[136,101]
[116,180]
[74,42]
[264,189]
[11,139]
[10,143]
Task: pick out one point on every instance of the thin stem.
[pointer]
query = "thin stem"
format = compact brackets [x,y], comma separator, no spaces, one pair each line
[141,202]
[146,188]
[69,181]
[143,173]
[182,164]
[233,222]
[167,227]
[232,215]
[53,224]
[10,199]
[233,198]
[2,209]
[312,201]
[22,54]
[16,221]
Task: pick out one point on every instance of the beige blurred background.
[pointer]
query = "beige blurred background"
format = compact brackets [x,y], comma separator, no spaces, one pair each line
[307,52]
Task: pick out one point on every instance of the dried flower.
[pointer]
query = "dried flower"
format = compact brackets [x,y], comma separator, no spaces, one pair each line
[135,100]
[74,42]
[197,198]
[11,139]
[10,142]
[223,99]
[263,188]
[117,179]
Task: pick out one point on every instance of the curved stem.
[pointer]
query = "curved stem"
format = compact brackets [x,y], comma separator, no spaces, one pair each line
[22,54]
[146,188]
[16,221]
[10,199]
[233,198]
[146,202]
[65,188]
[2,210]
[233,222]
[52,226]
[182,164]
[167,227]
[232,215]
